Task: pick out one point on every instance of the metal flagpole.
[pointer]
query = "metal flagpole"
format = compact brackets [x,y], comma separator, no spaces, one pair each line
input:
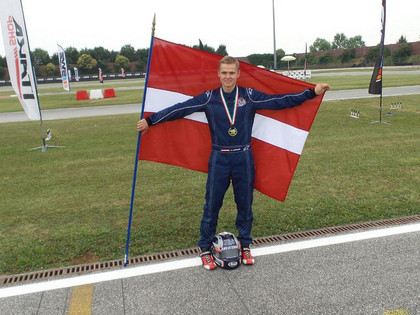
[44,147]
[274,39]
[47,137]
[380,102]
[133,188]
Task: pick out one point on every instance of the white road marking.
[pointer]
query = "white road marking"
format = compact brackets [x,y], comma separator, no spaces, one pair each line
[196,261]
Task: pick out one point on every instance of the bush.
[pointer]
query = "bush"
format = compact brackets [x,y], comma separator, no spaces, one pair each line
[414,60]
[373,53]
[325,58]
[347,55]
[50,69]
[359,62]
[402,54]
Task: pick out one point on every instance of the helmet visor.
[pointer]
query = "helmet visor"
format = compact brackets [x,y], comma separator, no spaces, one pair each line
[229,253]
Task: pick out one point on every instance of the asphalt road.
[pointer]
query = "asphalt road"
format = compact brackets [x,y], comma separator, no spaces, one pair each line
[67,113]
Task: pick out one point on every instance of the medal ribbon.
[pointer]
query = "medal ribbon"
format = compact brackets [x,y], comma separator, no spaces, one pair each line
[232,117]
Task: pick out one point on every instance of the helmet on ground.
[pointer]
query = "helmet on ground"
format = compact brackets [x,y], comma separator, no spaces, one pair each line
[226,250]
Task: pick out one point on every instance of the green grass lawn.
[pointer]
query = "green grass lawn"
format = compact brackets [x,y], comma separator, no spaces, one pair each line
[363,81]
[70,205]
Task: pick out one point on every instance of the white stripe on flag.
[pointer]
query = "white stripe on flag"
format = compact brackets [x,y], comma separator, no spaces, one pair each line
[157,100]
[279,134]
[265,129]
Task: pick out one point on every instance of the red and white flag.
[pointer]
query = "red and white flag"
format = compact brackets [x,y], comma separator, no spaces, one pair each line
[177,73]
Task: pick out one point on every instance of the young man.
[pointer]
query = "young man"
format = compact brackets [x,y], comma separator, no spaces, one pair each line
[230,111]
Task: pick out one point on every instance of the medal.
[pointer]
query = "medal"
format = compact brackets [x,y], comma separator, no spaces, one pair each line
[232,131]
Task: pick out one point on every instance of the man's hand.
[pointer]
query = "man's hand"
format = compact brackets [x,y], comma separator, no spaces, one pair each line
[321,88]
[142,126]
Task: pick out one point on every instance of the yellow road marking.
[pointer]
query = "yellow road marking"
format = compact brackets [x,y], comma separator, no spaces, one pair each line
[81,300]
[397,312]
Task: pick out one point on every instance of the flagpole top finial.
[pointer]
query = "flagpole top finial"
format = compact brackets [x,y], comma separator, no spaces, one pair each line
[154,25]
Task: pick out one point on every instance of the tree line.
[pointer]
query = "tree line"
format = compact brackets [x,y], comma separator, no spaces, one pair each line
[89,60]
[341,52]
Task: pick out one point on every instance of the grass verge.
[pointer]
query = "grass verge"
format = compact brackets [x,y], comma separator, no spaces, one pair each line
[70,205]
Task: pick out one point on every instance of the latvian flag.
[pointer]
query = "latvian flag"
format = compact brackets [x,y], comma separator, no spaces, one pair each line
[177,73]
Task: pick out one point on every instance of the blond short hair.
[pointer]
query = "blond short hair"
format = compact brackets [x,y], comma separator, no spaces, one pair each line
[229,60]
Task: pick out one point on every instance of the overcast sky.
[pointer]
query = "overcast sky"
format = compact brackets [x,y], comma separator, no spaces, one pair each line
[244,26]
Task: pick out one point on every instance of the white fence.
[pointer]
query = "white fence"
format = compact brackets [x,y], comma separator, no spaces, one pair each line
[298,74]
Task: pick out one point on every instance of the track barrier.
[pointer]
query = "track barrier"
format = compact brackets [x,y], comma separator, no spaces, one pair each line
[109,93]
[82,95]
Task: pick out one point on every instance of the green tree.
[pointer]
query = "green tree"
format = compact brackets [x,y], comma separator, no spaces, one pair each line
[402,40]
[72,55]
[3,62]
[320,44]
[86,51]
[50,69]
[280,53]
[3,65]
[355,42]
[266,60]
[129,52]
[54,59]
[113,54]
[340,41]
[140,66]
[142,56]
[40,57]
[222,50]
[121,62]
[101,54]
[86,63]
[204,47]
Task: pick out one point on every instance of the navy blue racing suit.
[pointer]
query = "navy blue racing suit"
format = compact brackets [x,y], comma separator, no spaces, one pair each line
[231,158]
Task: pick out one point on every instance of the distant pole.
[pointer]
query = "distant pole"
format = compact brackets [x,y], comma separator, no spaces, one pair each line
[274,39]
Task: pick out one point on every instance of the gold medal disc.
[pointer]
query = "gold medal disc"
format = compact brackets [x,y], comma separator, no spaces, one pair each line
[232,131]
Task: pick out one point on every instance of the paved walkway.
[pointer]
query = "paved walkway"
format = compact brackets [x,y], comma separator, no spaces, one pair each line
[369,272]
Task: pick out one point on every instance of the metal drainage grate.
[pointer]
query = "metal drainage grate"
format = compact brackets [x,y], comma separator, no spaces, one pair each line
[86,268]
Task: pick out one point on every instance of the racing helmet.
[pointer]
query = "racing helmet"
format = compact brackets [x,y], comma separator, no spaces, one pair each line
[226,250]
